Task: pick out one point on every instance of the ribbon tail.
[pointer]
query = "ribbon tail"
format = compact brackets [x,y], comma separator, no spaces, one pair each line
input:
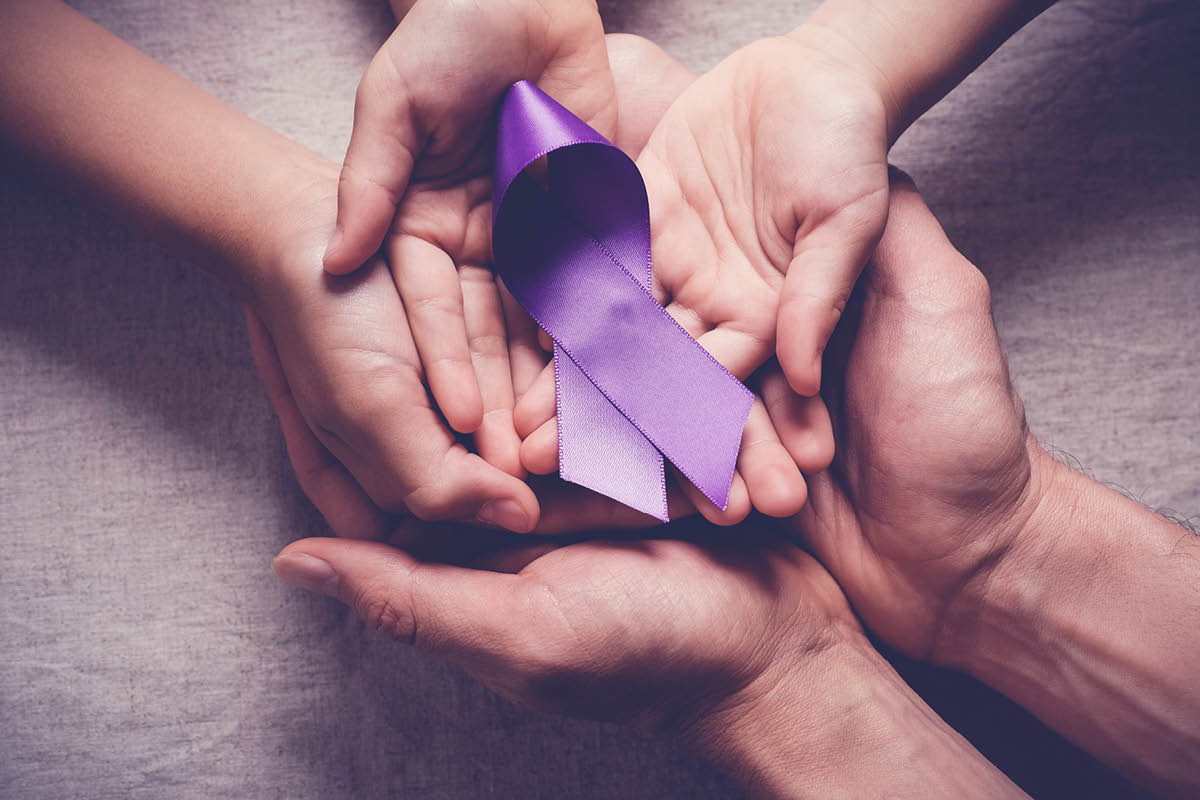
[602,450]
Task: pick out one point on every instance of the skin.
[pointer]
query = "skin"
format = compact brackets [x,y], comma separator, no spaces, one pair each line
[792,231]
[781,236]
[1017,591]
[415,183]
[959,540]
[739,203]
[728,642]
[954,536]
[768,189]
[649,80]
[258,210]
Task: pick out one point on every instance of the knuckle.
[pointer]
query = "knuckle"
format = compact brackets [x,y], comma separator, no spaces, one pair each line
[976,290]
[383,613]
[435,305]
[491,345]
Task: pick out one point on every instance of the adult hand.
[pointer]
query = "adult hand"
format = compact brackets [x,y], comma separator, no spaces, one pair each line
[933,477]
[741,644]
[958,539]
[653,632]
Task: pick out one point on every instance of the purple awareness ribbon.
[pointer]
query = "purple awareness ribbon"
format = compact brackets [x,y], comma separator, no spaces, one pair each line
[632,386]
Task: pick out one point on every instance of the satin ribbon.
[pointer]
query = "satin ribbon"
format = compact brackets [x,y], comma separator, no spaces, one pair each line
[632,386]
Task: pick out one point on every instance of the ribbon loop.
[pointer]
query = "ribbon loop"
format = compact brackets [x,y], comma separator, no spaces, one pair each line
[632,385]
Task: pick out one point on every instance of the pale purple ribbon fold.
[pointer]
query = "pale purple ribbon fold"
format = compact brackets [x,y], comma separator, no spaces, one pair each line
[632,385]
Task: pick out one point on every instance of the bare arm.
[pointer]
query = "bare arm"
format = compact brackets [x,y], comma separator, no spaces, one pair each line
[171,154]
[846,726]
[260,207]
[914,51]
[1092,621]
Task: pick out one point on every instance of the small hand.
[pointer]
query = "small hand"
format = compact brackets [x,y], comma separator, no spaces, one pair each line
[933,475]
[767,180]
[338,348]
[416,180]
[344,375]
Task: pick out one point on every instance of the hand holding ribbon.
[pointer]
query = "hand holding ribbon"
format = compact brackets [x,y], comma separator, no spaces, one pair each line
[631,383]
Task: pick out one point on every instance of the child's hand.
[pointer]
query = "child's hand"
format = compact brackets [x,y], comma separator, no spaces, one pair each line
[416,177]
[768,190]
[340,365]
[323,332]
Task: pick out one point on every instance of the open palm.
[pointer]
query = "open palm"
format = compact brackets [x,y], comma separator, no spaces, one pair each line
[767,182]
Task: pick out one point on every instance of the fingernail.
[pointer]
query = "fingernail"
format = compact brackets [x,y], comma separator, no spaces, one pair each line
[306,572]
[335,242]
[504,514]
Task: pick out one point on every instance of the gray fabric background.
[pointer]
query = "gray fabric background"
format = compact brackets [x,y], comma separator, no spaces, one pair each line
[148,651]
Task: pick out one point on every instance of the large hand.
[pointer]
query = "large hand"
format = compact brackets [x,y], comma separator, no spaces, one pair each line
[743,644]
[653,632]
[933,476]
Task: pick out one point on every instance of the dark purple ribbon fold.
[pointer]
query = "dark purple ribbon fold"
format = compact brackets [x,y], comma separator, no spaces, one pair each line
[632,385]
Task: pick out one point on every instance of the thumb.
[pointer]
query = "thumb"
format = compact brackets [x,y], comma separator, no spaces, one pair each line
[825,265]
[470,616]
[384,145]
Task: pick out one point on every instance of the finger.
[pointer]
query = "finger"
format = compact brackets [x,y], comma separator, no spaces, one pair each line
[544,341]
[739,346]
[428,282]
[325,481]
[739,351]
[820,277]
[384,145]
[465,614]
[525,356]
[772,478]
[737,506]
[802,423]
[537,405]
[567,508]
[539,450]
[496,437]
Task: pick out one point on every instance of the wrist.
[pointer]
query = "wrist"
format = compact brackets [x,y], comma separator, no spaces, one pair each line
[839,722]
[914,51]
[1088,620]
[833,38]
[295,207]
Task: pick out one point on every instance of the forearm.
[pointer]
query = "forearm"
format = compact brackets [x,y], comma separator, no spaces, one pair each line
[843,724]
[138,135]
[914,51]
[1092,622]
